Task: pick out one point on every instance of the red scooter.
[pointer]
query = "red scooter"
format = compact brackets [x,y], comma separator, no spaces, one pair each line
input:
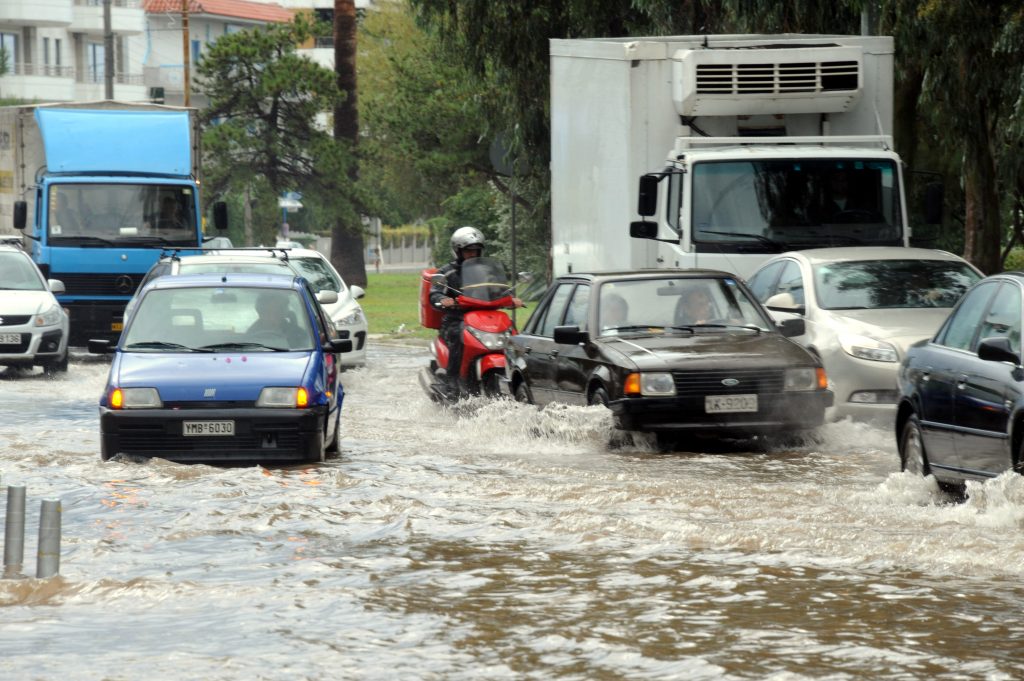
[486,329]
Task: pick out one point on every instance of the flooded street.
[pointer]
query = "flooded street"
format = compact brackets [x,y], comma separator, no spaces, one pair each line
[499,542]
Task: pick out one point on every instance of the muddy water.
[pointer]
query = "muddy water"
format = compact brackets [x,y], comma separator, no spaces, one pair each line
[498,542]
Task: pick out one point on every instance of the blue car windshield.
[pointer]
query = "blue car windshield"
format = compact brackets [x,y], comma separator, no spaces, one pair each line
[209,319]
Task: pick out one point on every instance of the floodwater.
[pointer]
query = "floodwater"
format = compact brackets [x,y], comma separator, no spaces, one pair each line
[499,542]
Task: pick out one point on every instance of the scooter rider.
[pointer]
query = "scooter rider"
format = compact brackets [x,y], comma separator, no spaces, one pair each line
[466,243]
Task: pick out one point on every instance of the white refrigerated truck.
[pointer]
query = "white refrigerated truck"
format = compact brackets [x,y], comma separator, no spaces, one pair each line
[744,146]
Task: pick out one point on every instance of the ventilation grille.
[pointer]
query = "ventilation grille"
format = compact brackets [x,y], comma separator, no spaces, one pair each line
[785,78]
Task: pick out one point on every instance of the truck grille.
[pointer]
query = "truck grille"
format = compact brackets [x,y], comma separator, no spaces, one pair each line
[81,284]
[802,77]
[709,382]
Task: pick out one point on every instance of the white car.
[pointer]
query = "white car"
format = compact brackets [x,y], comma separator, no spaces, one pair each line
[33,325]
[863,307]
[345,312]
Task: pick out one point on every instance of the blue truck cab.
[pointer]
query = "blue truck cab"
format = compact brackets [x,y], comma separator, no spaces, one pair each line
[99,190]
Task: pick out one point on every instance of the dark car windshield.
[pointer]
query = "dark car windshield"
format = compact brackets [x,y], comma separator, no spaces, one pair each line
[201,318]
[874,284]
[639,305]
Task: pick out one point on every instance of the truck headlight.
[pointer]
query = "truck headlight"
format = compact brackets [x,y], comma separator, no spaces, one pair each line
[50,317]
[864,347]
[283,398]
[805,378]
[135,398]
[491,341]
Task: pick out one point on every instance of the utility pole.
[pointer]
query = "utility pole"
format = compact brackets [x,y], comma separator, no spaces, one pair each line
[108,53]
[186,53]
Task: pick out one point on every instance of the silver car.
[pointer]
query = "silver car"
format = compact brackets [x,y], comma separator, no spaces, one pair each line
[33,325]
[863,307]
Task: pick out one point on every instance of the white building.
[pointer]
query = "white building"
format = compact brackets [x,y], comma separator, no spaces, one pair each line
[55,48]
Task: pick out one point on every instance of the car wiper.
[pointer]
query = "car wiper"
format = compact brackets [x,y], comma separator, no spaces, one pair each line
[146,240]
[635,327]
[779,245]
[226,346]
[164,345]
[691,327]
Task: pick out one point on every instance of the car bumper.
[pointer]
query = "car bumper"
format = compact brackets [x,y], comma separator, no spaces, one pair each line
[358,336]
[38,345]
[261,435]
[776,412]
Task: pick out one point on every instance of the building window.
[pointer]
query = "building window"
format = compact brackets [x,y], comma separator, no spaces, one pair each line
[95,56]
[46,56]
[56,52]
[9,44]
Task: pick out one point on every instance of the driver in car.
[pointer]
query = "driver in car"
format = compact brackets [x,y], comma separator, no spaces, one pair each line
[275,320]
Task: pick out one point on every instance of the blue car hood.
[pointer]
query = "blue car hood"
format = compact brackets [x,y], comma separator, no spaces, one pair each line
[191,376]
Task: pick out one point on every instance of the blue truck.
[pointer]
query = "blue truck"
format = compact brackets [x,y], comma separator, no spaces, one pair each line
[98,190]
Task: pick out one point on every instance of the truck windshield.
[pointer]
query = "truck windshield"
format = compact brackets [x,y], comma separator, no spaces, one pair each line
[796,203]
[122,213]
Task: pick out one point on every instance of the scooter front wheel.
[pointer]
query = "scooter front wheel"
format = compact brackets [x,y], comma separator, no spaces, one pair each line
[491,384]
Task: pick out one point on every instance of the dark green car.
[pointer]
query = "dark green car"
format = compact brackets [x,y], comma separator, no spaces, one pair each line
[673,352]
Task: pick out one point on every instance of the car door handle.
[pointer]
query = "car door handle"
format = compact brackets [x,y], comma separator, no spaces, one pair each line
[527,349]
[961,382]
[553,354]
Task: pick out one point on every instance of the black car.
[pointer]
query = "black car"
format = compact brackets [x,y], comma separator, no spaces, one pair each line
[672,352]
[961,403]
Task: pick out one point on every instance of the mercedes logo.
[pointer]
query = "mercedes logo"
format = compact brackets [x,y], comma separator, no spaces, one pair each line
[124,284]
[730,382]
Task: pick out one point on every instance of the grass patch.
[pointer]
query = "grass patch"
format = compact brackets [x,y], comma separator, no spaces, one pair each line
[392,305]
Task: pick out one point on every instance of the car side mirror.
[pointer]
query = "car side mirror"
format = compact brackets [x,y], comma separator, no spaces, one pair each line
[327,297]
[357,291]
[339,345]
[570,335]
[997,349]
[20,215]
[220,215]
[56,286]
[784,302]
[101,346]
[794,326]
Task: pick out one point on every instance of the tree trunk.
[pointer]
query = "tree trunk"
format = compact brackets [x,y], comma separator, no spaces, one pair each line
[982,228]
[347,239]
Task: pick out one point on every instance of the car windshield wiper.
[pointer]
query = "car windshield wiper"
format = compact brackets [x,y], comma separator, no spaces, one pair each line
[225,346]
[162,345]
[635,327]
[147,240]
[691,327]
[779,245]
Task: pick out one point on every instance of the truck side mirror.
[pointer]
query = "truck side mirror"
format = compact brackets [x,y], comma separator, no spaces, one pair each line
[934,196]
[643,230]
[647,205]
[220,215]
[20,215]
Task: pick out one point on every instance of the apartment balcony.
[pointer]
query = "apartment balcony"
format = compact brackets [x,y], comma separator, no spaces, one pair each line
[126,17]
[128,87]
[36,13]
[34,82]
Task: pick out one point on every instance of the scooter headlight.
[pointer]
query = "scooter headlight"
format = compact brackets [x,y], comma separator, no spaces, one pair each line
[491,341]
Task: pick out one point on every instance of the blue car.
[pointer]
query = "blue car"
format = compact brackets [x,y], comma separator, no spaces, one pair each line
[224,368]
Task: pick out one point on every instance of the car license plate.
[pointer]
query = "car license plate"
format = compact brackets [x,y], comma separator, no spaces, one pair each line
[209,427]
[717,404]
[10,338]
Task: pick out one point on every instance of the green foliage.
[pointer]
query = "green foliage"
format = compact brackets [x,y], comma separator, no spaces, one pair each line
[475,206]
[263,133]
[5,62]
[393,237]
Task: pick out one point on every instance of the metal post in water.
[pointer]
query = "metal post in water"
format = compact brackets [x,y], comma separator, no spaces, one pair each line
[14,531]
[48,554]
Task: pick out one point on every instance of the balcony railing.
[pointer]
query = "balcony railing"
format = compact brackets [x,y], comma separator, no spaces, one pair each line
[130,4]
[97,76]
[43,70]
